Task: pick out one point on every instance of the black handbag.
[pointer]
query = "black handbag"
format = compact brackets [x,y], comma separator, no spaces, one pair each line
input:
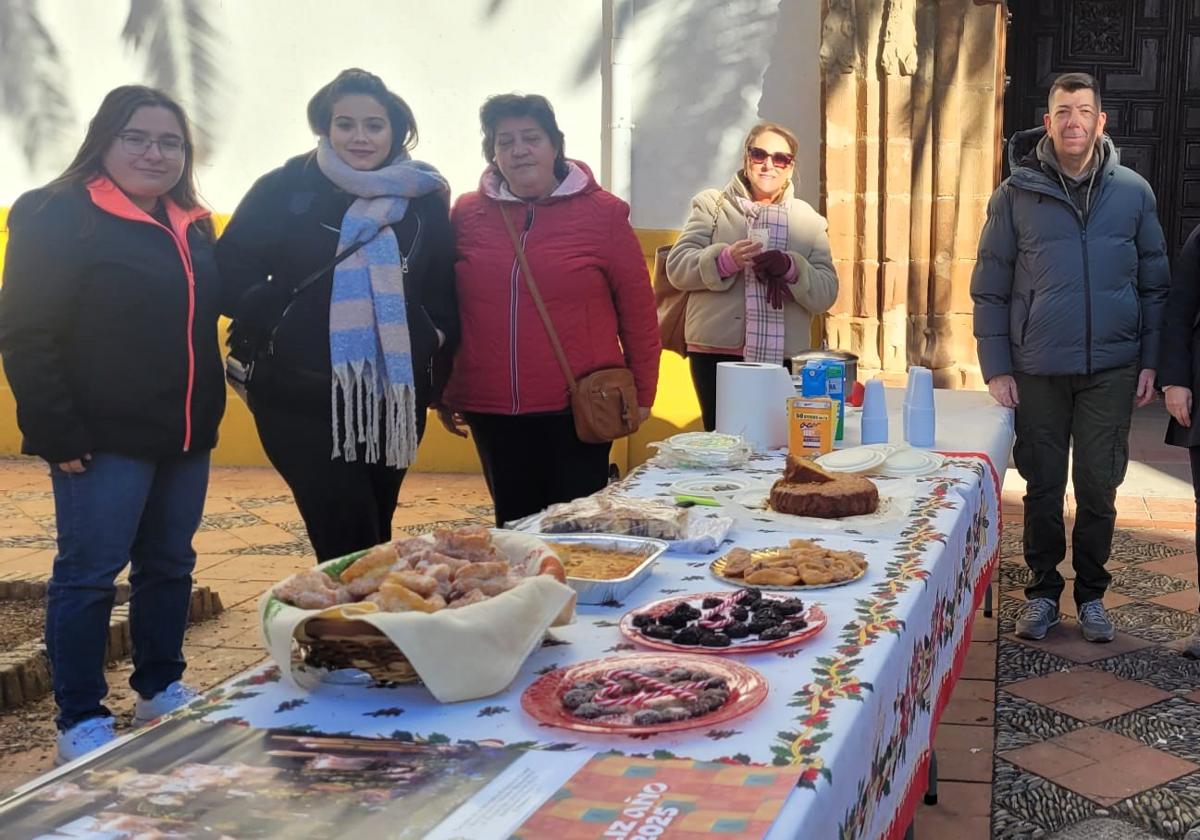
[249,347]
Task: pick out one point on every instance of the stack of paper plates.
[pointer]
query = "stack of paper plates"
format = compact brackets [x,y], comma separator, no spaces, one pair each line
[853,460]
[904,463]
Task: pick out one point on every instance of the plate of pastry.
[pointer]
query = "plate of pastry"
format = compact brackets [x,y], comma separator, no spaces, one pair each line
[645,693]
[800,565]
[743,621]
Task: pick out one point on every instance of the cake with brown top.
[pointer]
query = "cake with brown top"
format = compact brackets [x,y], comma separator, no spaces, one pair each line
[808,490]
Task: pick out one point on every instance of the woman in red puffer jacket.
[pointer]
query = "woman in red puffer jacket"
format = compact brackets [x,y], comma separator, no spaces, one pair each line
[506,385]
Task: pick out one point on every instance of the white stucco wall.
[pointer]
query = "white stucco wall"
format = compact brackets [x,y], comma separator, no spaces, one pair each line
[704,72]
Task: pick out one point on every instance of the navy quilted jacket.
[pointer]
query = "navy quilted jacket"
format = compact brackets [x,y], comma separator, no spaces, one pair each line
[1060,291]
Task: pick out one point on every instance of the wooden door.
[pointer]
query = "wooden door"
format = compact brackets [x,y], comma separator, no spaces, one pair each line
[1146,56]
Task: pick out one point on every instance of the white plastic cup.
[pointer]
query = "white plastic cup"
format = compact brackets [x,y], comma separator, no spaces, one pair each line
[922,417]
[908,396]
[922,396]
[874,413]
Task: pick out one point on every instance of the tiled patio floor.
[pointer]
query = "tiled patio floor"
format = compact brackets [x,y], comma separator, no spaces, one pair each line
[252,536]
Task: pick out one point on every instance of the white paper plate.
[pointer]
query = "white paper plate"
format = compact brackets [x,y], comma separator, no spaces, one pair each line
[906,463]
[853,460]
[714,486]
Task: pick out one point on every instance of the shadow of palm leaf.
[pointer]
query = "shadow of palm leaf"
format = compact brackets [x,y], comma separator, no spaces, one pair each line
[33,84]
[179,41]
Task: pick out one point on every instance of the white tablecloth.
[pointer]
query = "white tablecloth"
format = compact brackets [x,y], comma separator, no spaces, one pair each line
[852,709]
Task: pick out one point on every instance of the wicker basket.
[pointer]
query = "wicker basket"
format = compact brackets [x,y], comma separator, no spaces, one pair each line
[336,643]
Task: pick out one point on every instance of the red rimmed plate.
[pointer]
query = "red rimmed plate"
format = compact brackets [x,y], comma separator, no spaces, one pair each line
[814,615]
[542,700]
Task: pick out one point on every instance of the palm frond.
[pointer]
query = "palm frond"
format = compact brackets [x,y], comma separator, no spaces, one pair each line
[179,42]
[33,84]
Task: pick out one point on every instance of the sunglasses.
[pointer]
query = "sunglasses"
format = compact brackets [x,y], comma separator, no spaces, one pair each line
[782,160]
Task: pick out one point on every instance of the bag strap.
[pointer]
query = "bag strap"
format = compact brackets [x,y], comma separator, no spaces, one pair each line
[306,283]
[712,234]
[320,272]
[537,298]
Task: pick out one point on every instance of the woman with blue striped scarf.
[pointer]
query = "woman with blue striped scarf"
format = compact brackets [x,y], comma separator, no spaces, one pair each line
[340,402]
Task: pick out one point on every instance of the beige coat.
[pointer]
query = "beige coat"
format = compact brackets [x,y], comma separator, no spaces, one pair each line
[716,308]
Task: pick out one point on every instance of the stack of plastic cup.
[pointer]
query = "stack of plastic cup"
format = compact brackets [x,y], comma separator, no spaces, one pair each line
[921,425]
[874,413]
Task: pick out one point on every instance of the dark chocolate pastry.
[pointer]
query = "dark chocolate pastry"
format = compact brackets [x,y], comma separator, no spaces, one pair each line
[737,630]
[710,602]
[674,619]
[757,625]
[739,613]
[712,638]
[643,620]
[791,606]
[659,631]
[687,636]
[779,631]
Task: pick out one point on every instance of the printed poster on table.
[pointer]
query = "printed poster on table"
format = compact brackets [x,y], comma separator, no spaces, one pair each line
[191,780]
[615,797]
[185,780]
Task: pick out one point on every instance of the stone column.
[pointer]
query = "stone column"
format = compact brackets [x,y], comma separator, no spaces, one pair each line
[910,122]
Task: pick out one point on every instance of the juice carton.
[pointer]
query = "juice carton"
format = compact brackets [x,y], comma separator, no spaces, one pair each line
[812,380]
[810,425]
[835,385]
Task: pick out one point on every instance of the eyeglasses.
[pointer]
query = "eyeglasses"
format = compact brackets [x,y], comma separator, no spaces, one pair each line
[138,143]
[782,160]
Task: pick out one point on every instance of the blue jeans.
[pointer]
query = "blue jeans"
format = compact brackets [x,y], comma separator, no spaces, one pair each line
[121,510]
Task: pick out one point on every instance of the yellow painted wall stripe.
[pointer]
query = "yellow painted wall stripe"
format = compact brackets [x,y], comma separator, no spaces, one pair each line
[675,409]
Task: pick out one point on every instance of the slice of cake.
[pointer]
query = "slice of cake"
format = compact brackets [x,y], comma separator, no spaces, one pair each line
[808,490]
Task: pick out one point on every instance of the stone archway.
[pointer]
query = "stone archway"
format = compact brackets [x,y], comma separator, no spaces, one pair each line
[912,94]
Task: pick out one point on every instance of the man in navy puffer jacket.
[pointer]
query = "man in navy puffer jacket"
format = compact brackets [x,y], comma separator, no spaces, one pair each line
[1069,292]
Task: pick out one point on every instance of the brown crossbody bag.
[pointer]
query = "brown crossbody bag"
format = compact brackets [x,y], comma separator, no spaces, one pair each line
[604,402]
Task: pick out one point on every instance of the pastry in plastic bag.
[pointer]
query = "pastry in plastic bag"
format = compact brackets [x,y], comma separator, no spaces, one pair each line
[612,514]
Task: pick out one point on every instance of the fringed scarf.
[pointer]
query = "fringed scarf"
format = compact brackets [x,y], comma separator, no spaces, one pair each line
[764,325]
[368,319]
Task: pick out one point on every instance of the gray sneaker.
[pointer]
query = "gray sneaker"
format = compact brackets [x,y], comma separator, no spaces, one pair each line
[1037,618]
[1093,618]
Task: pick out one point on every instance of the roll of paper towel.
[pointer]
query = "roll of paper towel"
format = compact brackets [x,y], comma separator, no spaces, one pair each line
[752,402]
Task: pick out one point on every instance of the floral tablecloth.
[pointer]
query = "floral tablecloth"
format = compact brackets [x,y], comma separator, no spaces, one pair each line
[853,709]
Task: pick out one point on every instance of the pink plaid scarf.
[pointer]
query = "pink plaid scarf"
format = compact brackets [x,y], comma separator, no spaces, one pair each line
[764,325]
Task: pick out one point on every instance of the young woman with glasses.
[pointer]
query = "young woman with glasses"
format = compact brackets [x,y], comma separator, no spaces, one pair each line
[755,260]
[340,403]
[108,329]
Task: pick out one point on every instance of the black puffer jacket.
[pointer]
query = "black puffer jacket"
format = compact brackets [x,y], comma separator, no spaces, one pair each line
[109,341]
[285,229]
[1058,291]
[1179,358]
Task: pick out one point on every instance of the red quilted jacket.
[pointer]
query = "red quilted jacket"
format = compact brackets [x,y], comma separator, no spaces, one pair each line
[589,269]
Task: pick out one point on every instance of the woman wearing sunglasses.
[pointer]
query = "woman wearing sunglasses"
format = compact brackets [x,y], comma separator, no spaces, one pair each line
[108,328]
[755,260]
[344,257]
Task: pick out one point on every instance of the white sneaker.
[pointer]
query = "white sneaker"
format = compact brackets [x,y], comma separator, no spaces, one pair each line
[168,700]
[84,737]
